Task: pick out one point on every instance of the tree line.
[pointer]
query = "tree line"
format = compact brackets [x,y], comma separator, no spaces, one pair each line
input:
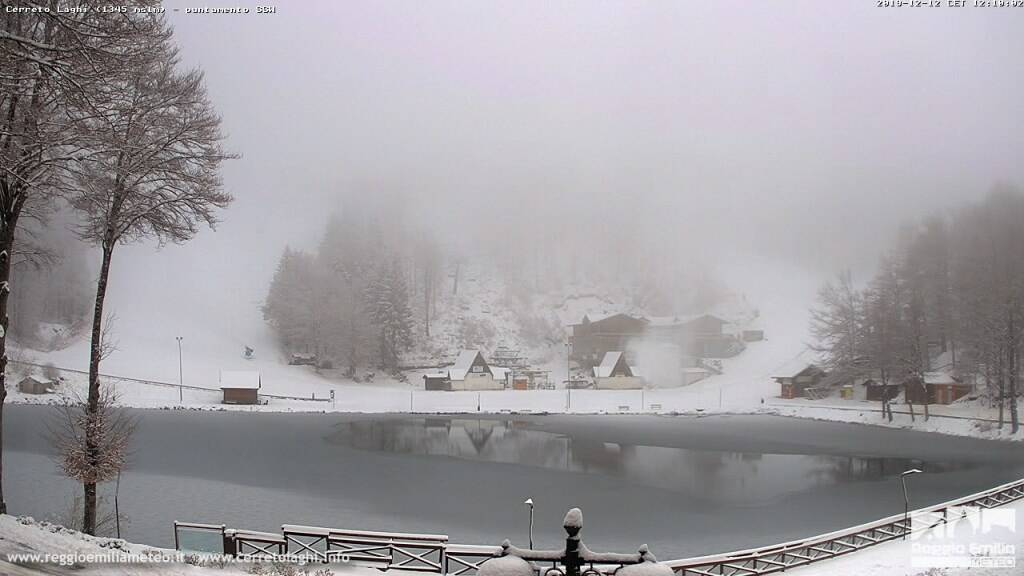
[954,284]
[98,115]
[363,297]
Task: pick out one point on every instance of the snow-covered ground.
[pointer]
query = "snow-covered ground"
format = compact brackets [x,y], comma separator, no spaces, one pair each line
[966,418]
[62,550]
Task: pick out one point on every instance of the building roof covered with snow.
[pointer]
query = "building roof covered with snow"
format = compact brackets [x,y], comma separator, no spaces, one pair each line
[613,364]
[468,361]
[682,319]
[803,362]
[940,377]
[240,379]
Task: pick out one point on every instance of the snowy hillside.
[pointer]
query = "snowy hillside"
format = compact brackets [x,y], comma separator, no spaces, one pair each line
[220,316]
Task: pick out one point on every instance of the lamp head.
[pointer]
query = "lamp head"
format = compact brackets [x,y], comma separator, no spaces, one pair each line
[911,471]
[529,502]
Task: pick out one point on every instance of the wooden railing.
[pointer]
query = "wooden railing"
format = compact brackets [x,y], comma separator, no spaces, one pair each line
[779,557]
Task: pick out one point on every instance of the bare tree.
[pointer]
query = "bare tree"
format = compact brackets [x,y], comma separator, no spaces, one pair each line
[92,443]
[46,57]
[837,325]
[153,173]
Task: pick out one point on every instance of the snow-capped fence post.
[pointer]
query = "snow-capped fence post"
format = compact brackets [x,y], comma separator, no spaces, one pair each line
[230,547]
[572,560]
[572,523]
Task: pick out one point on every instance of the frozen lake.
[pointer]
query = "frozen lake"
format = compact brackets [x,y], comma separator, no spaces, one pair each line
[683,485]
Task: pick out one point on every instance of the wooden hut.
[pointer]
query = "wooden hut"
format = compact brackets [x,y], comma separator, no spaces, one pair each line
[33,385]
[240,386]
[796,377]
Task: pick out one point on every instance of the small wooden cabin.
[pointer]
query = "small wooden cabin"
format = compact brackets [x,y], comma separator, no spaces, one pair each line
[240,386]
[33,385]
[795,378]
[614,373]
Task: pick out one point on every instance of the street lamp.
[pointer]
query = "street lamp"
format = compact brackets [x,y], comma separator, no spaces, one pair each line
[181,380]
[568,376]
[906,500]
[529,502]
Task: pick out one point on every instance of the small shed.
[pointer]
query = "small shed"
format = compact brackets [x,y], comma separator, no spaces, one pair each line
[33,385]
[437,381]
[240,386]
[796,377]
[616,374]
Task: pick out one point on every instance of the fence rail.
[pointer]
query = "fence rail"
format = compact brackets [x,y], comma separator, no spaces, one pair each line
[779,557]
[434,554]
[124,378]
[162,384]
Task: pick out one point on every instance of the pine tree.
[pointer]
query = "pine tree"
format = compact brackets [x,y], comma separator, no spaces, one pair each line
[289,307]
[388,302]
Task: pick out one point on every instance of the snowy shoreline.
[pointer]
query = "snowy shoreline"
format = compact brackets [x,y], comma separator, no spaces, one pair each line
[944,424]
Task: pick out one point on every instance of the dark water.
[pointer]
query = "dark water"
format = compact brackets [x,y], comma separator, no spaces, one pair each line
[686,486]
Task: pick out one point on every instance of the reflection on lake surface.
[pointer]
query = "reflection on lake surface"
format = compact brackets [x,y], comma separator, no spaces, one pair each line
[737,477]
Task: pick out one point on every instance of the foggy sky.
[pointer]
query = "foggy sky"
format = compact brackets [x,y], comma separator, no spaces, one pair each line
[797,130]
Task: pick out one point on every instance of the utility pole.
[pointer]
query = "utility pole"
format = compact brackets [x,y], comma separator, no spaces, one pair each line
[181,379]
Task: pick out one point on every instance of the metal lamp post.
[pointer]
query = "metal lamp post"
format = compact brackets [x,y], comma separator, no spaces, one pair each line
[529,502]
[568,376]
[906,500]
[181,379]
